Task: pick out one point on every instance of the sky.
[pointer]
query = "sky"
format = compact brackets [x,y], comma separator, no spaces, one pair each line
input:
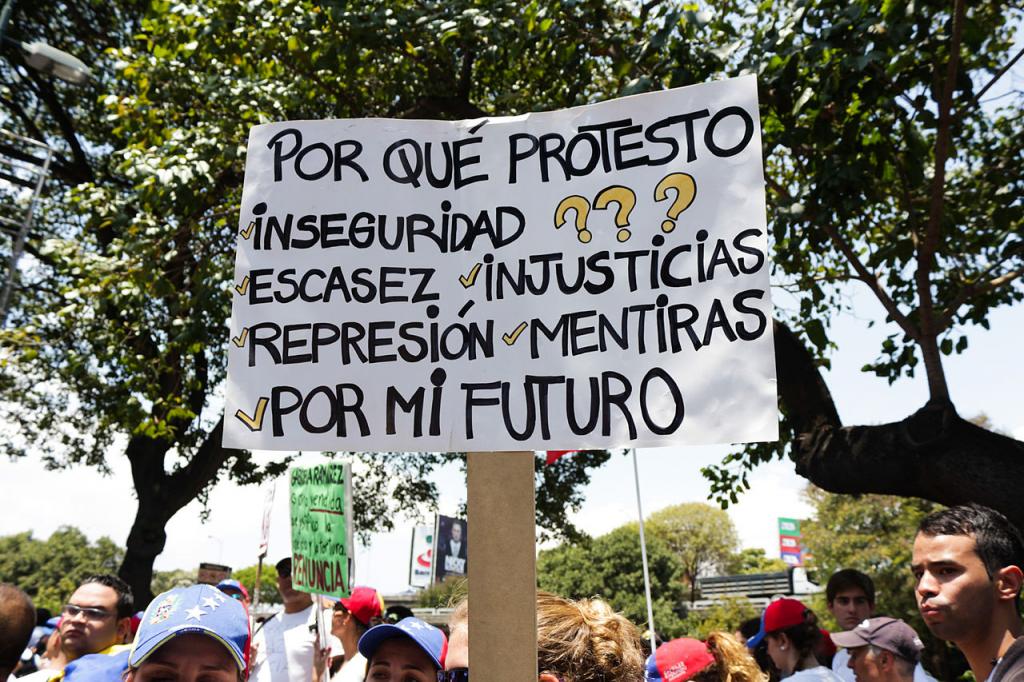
[985,379]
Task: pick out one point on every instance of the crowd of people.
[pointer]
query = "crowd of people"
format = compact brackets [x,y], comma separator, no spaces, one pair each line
[967,562]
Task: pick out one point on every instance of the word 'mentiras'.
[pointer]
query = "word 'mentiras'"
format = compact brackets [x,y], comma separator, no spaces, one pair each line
[584,406]
[675,327]
[611,146]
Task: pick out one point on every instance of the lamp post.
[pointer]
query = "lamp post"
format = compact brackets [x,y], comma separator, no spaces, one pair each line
[45,59]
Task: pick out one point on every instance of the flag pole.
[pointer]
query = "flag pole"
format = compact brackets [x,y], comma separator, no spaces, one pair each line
[643,554]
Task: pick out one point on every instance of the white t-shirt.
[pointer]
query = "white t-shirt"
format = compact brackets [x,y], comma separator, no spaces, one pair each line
[353,670]
[285,651]
[840,666]
[818,673]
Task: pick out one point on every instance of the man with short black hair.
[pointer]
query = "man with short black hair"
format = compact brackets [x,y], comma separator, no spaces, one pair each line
[881,650]
[967,561]
[96,620]
[17,618]
[850,597]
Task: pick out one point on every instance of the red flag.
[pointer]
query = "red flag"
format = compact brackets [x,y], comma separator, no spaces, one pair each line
[554,455]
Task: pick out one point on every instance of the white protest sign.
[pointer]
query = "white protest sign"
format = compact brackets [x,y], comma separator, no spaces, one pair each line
[588,278]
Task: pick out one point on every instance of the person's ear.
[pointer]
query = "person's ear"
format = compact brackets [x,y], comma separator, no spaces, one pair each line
[1009,580]
[547,677]
[124,630]
[886,660]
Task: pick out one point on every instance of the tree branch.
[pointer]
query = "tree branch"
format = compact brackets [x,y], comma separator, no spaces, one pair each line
[975,289]
[999,74]
[803,394]
[67,127]
[938,389]
[866,276]
[190,480]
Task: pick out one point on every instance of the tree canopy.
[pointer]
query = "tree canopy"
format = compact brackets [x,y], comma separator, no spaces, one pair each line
[886,168]
[700,536]
[50,570]
[609,567]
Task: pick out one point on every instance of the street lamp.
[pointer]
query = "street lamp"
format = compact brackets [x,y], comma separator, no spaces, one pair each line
[46,58]
[18,169]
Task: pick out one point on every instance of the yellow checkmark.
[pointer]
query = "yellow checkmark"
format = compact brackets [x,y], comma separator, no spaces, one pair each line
[468,280]
[240,339]
[247,232]
[255,423]
[509,339]
[244,286]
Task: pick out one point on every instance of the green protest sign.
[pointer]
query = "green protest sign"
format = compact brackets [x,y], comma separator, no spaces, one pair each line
[321,507]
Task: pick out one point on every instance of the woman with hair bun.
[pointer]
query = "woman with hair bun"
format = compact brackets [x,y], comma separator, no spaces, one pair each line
[722,658]
[585,641]
[790,631]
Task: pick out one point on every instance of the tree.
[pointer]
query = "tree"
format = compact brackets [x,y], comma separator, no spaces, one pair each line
[700,536]
[609,566]
[167,580]
[50,570]
[118,330]
[268,583]
[445,594]
[874,534]
[886,170]
[724,615]
[753,560]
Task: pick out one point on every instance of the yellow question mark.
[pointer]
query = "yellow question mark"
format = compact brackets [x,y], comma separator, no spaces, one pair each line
[582,208]
[686,189]
[626,200]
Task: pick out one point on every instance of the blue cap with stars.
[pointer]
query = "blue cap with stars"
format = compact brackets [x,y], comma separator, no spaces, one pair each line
[199,609]
[428,638]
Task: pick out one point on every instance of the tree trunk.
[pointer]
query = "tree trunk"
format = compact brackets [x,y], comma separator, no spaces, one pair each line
[145,543]
[932,454]
[162,495]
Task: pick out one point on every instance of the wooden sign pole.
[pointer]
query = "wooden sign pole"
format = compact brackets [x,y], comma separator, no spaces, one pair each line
[502,567]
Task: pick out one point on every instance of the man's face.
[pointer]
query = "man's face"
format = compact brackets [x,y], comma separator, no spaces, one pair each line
[865,665]
[289,595]
[456,532]
[850,607]
[955,595]
[90,623]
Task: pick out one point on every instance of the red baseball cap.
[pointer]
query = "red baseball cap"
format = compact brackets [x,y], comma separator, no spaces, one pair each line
[678,660]
[365,603]
[780,614]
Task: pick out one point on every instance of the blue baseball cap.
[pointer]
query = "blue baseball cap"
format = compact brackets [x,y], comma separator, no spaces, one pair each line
[232,584]
[201,609]
[428,638]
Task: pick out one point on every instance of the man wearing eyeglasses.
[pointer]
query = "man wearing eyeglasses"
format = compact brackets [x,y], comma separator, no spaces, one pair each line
[96,619]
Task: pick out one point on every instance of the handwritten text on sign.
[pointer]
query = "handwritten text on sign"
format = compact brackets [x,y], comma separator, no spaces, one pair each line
[321,529]
[593,277]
